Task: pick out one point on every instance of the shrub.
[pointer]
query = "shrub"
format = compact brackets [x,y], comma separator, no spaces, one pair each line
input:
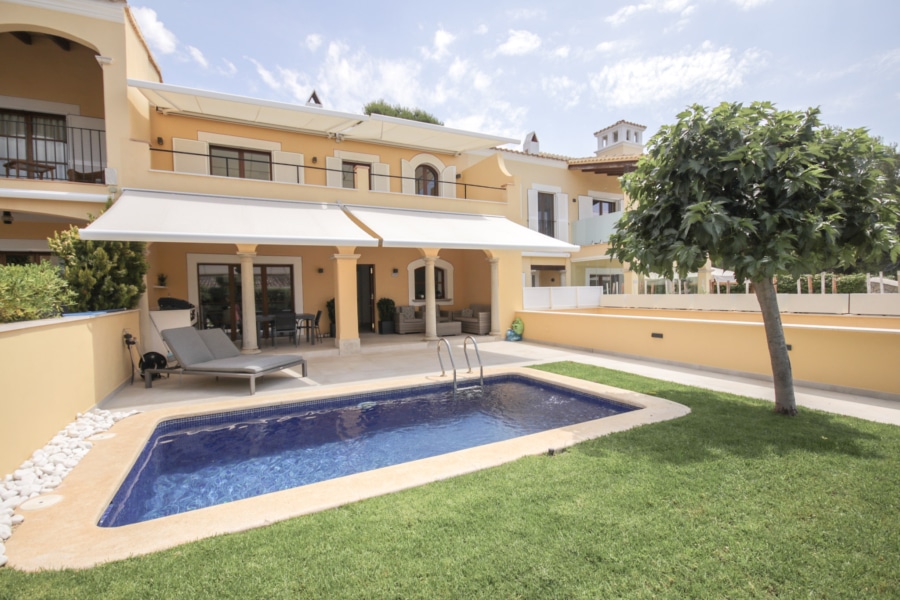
[102,275]
[30,292]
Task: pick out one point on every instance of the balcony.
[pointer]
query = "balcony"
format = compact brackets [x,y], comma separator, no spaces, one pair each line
[47,149]
[596,229]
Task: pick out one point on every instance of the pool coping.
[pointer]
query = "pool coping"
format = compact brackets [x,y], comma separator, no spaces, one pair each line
[66,535]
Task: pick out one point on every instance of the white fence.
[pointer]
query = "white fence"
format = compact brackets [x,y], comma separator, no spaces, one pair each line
[559,298]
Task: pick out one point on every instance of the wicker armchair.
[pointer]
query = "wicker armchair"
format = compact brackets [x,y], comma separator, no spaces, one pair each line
[476,319]
[408,320]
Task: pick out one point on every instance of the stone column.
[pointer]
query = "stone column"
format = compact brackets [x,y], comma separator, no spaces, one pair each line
[495,295]
[345,303]
[249,343]
[430,304]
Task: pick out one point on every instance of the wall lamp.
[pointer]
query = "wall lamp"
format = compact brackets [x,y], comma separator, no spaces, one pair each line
[320,270]
[7,217]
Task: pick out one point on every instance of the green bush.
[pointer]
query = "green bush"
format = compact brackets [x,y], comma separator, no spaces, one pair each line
[102,275]
[846,284]
[30,292]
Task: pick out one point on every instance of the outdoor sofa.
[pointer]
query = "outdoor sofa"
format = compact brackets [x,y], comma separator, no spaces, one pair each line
[409,320]
[211,352]
[476,319]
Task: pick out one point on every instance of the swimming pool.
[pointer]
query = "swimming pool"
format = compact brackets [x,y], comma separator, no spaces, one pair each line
[201,461]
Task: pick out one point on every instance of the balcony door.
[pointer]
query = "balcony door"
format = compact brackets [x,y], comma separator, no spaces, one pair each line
[33,145]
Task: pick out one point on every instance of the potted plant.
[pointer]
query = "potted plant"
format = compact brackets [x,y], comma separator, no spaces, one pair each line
[385,316]
[161,279]
[329,306]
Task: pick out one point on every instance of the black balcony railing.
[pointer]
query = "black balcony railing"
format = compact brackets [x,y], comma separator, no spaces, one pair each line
[52,152]
[255,168]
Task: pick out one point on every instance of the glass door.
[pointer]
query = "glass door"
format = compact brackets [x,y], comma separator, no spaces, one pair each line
[220,294]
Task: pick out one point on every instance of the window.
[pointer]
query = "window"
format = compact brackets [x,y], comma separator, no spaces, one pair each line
[603,207]
[426,181]
[546,222]
[348,174]
[238,162]
[33,145]
[440,288]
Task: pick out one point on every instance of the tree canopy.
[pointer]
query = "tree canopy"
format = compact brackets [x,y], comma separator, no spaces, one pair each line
[759,191]
[101,275]
[380,107]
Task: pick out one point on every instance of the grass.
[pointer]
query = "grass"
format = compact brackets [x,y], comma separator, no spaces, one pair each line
[731,501]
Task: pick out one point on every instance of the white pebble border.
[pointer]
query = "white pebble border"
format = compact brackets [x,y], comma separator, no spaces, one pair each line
[48,466]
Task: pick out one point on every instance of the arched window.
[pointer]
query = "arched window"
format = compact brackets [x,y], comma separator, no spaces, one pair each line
[426,180]
[443,282]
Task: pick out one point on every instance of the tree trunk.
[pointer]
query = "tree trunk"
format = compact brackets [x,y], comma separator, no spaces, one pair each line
[785,403]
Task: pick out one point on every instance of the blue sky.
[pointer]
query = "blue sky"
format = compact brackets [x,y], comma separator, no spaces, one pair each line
[562,69]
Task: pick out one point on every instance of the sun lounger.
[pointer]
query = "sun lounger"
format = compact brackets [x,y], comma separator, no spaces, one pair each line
[211,352]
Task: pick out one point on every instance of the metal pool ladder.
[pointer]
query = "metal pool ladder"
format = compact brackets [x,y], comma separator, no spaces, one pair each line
[444,342]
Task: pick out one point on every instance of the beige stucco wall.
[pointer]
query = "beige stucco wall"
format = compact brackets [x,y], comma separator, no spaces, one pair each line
[54,369]
[853,357]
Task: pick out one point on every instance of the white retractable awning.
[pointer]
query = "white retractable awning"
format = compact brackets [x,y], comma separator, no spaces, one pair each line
[157,216]
[379,129]
[403,228]
[426,136]
[176,99]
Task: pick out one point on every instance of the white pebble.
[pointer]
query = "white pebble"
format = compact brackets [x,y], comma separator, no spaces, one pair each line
[17,519]
[5,532]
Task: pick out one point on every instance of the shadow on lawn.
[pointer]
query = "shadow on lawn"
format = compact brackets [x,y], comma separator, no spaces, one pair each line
[724,423]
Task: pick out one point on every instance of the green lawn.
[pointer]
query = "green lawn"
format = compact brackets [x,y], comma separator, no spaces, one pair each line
[731,501]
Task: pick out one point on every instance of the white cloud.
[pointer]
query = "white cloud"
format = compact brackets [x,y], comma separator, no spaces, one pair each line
[198,57]
[522,14]
[562,52]
[563,90]
[442,41]
[750,4]
[160,39]
[702,75]
[519,42]
[229,69]
[266,75]
[683,7]
[313,41]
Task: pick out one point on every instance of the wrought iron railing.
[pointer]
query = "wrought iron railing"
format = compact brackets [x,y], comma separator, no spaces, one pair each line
[52,152]
[256,169]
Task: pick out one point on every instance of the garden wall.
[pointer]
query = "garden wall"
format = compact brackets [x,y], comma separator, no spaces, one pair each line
[825,350]
[54,369]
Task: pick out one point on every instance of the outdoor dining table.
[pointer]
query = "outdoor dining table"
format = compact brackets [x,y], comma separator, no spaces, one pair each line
[261,322]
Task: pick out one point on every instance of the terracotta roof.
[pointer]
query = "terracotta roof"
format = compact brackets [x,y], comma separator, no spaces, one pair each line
[605,165]
[537,154]
[620,122]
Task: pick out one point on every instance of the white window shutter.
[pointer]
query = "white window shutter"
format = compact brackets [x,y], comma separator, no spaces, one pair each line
[408,173]
[333,175]
[448,182]
[381,182]
[533,210]
[191,156]
[585,207]
[561,206]
[288,167]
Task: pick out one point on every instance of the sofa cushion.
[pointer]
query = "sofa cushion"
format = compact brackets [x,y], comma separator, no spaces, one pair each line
[466,312]
[407,312]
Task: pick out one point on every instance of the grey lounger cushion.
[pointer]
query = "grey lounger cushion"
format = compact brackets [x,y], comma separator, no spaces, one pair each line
[211,352]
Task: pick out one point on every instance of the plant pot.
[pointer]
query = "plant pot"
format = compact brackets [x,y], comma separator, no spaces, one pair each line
[385,327]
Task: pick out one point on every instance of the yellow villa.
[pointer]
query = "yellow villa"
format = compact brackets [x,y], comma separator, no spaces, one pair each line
[252,208]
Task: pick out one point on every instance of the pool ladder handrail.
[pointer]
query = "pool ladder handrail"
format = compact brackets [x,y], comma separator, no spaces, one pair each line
[441,360]
[453,363]
[477,355]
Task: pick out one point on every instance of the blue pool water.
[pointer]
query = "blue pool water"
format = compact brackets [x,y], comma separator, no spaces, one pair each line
[196,462]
